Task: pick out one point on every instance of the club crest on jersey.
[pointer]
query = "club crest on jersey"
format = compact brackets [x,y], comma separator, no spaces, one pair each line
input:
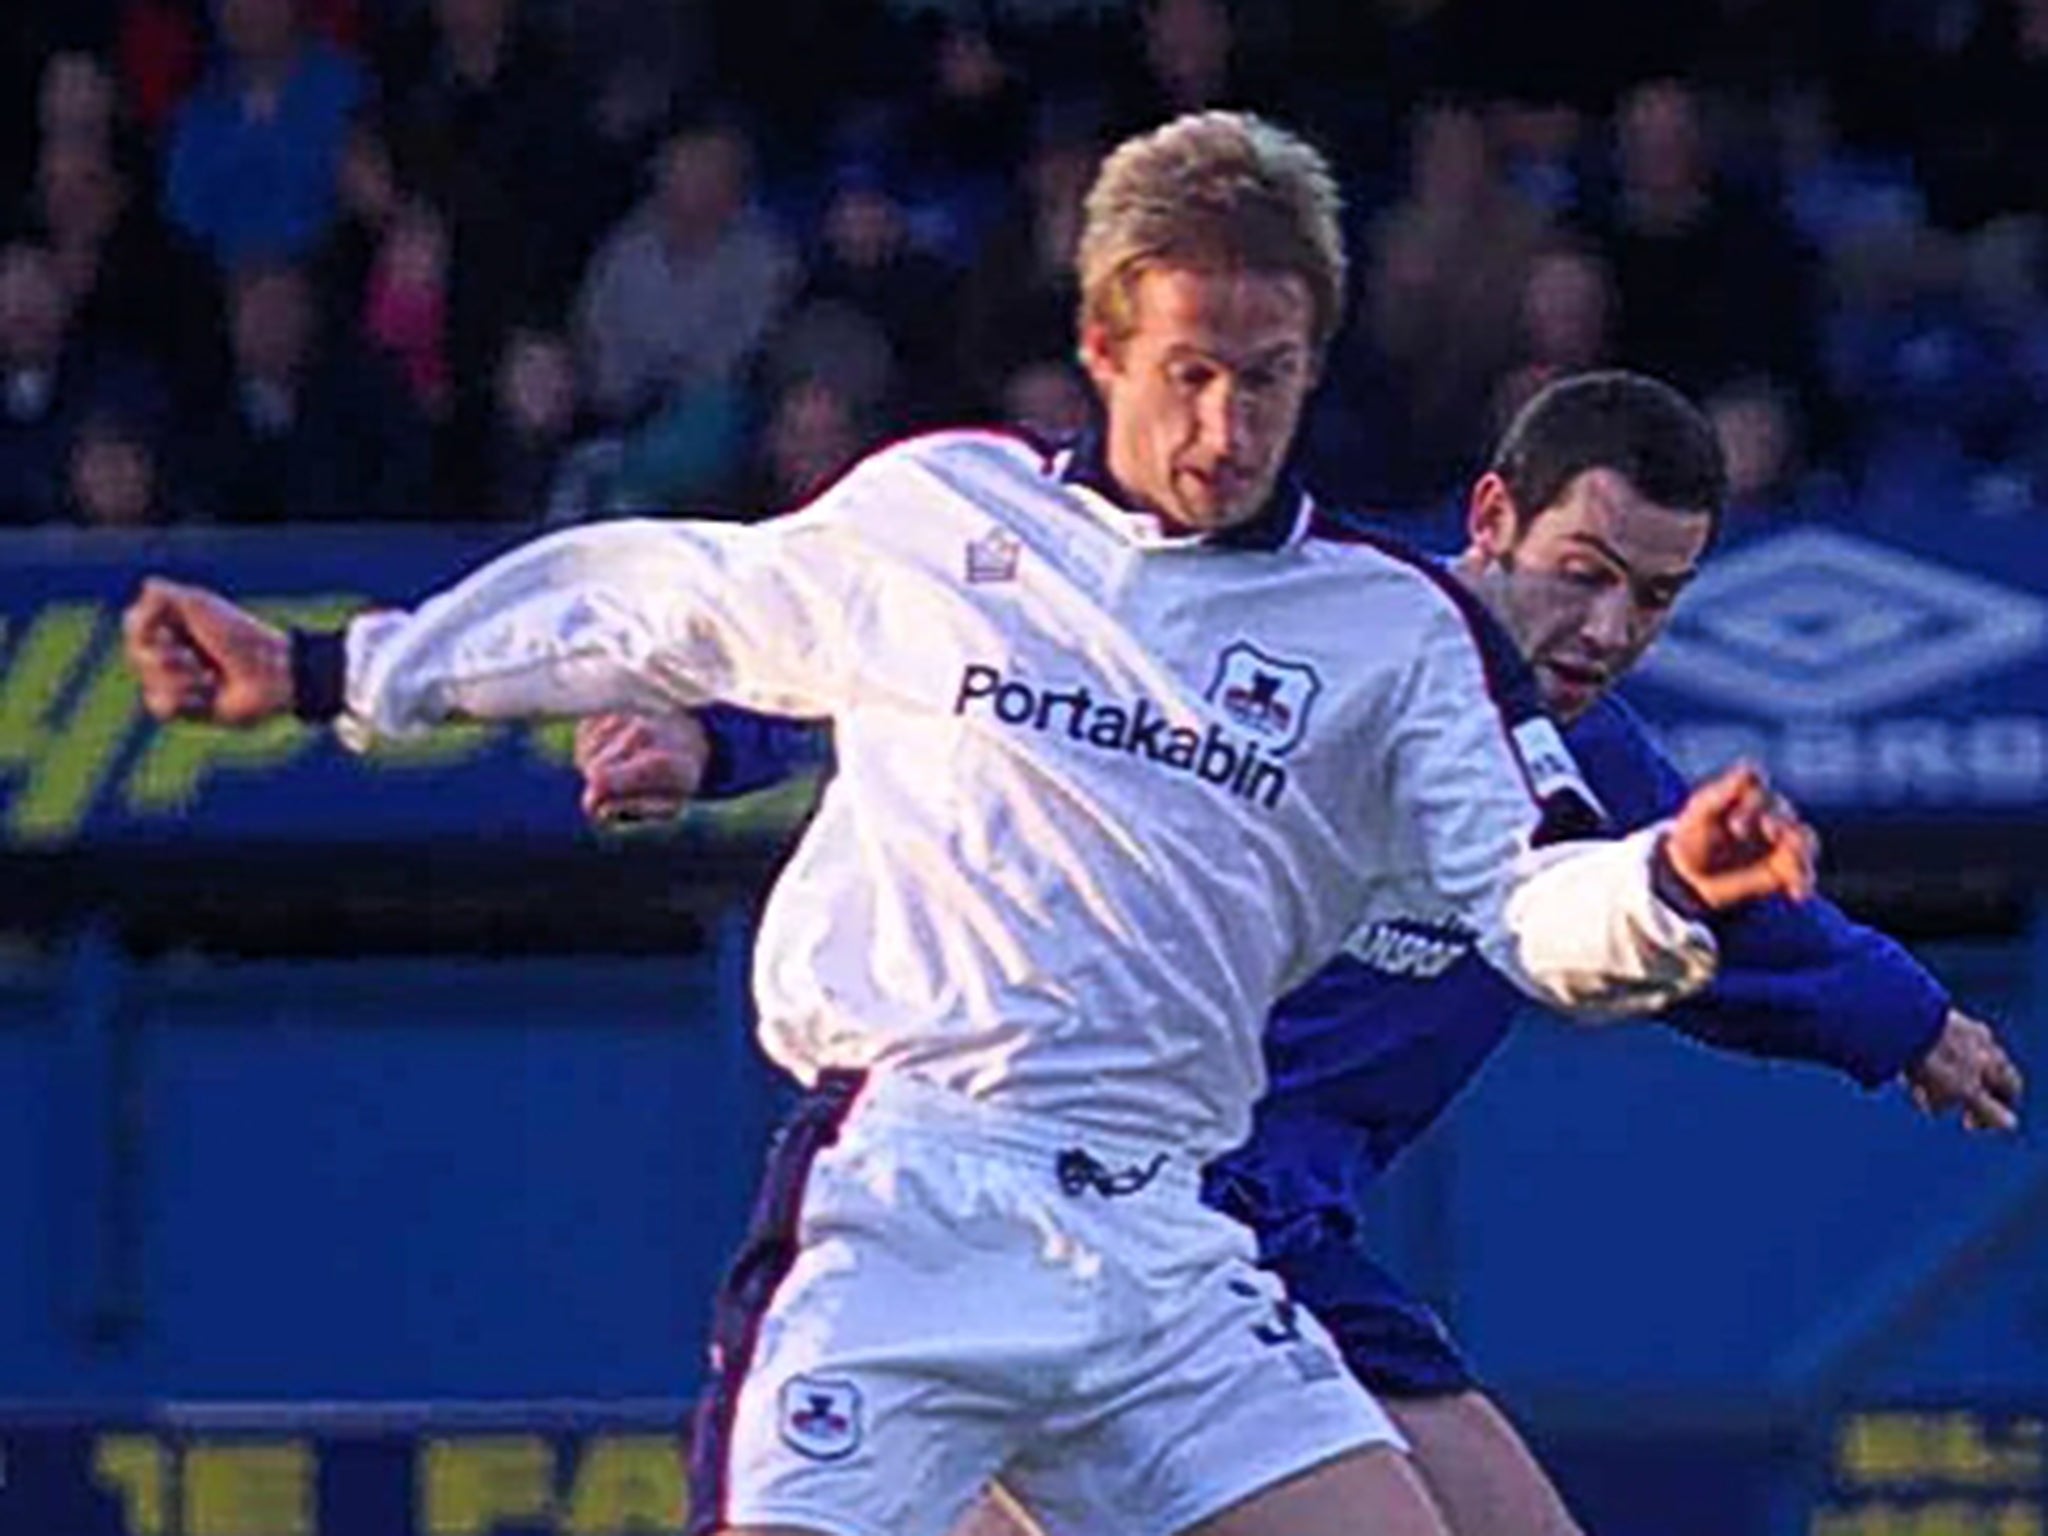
[820,1417]
[993,557]
[1269,698]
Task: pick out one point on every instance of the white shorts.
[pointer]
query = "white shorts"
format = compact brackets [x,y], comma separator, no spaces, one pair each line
[936,1293]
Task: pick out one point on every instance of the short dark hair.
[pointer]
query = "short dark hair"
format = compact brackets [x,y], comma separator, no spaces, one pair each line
[1637,426]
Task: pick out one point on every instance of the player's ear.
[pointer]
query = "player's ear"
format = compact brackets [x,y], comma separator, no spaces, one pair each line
[1099,353]
[1492,521]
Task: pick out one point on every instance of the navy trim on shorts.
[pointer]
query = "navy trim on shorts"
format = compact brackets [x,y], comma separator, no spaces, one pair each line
[765,1258]
[1391,1340]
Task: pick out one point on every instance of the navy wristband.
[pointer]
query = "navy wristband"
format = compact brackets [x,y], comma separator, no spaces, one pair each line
[319,664]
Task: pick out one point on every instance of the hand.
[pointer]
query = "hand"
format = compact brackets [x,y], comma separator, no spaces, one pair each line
[199,657]
[638,768]
[1736,840]
[1966,1067]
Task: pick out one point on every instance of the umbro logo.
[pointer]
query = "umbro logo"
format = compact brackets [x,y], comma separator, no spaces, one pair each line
[1817,623]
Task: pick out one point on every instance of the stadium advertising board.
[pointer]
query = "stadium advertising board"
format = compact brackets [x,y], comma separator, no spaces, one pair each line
[317,1477]
[1879,677]
[82,765]
[1925,1470]
[1936,1471]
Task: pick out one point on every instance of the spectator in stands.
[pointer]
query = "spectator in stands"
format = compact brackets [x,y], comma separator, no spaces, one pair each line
[639,61]
[682,295]
[113,477]
[1187,55]
[49,381]
[1758,424]
[76,101]
[157,43]
[1929,382]
[1980,132]
[254,151]
[1447,269]
[1540,147]
[2006,265]
[79,106]
[830,342]
[1018,299]
[865,261]
[1190,46]
[315,429]
[33,424]
[1713,285]
[133,288]
[971,115]
[534,431]
[485,124]
[814,431]
[405,307]
[1566,323]
[1836,192]
[368,199]
[1048,397]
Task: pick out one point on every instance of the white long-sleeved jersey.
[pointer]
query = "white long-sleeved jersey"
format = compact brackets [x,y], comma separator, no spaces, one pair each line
[1103,791]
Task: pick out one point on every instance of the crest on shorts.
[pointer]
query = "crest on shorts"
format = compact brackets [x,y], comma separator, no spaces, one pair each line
[821,1417]
[1261,694]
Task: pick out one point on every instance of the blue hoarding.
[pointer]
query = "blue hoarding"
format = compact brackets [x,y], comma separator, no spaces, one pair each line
[82,765]
[1882,677]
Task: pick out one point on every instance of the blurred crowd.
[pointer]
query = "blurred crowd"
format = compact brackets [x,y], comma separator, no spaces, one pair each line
[275,261]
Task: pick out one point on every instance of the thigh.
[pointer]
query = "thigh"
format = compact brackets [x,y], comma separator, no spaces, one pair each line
[1478,1469]
[1376,1489]
[1479,1472]
[1229,1389]
[997,1513]
[864,1366]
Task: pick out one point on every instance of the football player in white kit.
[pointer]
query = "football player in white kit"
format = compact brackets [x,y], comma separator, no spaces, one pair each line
[1125,748]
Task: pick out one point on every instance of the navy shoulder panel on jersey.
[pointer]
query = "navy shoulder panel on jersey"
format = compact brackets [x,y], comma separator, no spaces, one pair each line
[1508,676]
[1568,809]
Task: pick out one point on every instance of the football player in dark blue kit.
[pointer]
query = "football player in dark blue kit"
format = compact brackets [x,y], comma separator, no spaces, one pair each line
[1601,500]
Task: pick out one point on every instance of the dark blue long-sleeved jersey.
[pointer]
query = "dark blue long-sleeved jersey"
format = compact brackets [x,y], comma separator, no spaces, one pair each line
[1366,1055]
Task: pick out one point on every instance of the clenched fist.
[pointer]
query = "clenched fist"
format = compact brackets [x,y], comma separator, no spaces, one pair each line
[1736,840]
[637,768]
[200,657]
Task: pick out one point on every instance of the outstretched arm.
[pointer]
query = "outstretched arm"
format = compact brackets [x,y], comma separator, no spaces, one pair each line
[1594,927]
[628,615]
[1967,1069]
[1804,982]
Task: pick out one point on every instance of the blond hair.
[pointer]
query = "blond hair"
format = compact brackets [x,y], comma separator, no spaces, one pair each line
[1212,191]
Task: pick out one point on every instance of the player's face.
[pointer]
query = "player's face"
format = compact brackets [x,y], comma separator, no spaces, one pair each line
[1205,391]
[1588,583]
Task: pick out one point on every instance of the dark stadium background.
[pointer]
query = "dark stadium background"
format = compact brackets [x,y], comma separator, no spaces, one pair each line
[370,1134]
